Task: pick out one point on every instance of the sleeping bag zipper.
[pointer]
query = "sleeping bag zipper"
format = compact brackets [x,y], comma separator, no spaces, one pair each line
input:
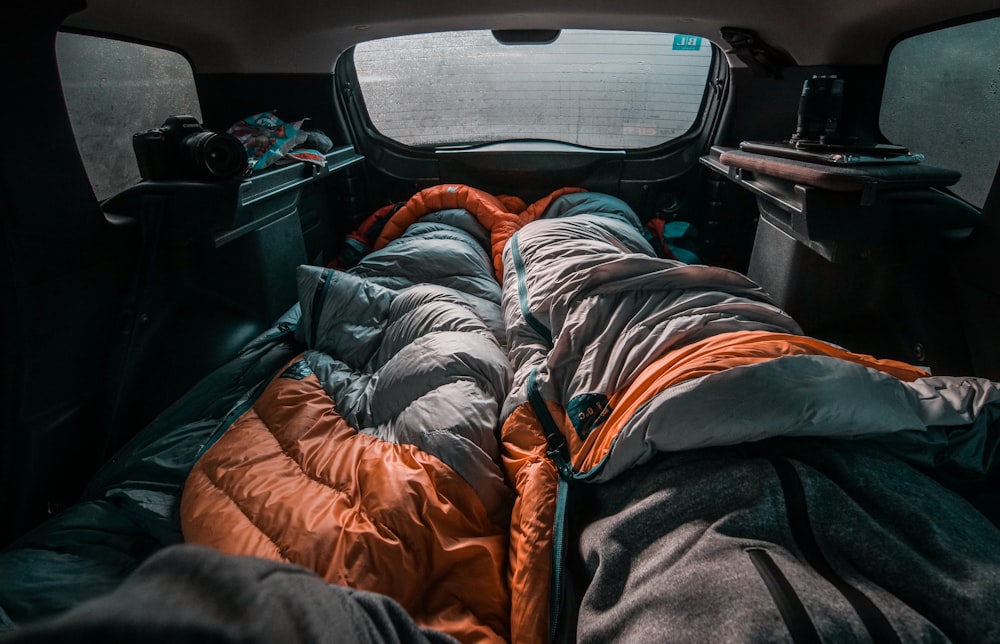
[319,296]
[559,453]
[557,450]
[522,294]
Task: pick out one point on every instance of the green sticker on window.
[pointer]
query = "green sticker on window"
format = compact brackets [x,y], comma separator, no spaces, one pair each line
[686,43]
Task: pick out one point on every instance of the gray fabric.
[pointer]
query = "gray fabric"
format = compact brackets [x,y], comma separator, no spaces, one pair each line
[664,526]
[612,310]
[341,314]
[818,396]
[447,248]
[597,203]
[456,218]
[411,361]
[665,556]
[434,256]
[191,594]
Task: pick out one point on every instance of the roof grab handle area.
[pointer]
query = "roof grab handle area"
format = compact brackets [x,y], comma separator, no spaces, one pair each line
[761,57]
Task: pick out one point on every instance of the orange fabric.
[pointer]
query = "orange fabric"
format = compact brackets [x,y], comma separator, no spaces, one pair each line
[393,519]
[535,478]
[361,512]
[504,230]
[379,516]
[712,355]
[511,203]
[484,206]
[502,215]
[499,237]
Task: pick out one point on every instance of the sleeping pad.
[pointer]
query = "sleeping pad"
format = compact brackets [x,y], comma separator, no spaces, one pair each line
[651,466]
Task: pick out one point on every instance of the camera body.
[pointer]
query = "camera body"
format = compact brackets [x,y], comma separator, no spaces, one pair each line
[183,148]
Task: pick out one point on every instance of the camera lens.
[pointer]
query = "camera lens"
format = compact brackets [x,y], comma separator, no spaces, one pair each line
[819,108]
[215,155]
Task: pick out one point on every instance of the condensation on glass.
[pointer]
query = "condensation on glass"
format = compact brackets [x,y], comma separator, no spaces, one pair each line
[601,89]
[942,99]
[114,89]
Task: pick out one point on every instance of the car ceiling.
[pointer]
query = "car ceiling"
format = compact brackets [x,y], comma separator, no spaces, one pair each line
[306,36]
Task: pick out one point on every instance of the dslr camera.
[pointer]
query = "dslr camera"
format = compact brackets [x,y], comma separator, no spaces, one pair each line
[182,148]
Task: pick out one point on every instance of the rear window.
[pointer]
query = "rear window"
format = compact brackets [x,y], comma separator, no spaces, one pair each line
[601,89]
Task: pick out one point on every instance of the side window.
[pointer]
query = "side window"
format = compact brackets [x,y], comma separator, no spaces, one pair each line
[942,98]
[114,89]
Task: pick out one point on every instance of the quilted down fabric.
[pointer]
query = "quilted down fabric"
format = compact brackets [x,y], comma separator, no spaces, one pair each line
[373,457]
[620,357]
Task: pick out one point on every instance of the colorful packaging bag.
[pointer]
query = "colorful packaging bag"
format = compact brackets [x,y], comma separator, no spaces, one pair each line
[266,137]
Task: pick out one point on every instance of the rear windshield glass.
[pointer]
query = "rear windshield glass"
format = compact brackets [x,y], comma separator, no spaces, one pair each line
[601,89]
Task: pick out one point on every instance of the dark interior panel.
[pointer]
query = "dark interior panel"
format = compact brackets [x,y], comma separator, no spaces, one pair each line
[865,267]
[975,266]
[766,109]
[64,274]
[227,98]
[218,266]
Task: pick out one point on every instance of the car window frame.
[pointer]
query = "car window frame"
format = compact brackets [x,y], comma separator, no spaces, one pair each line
[360,124]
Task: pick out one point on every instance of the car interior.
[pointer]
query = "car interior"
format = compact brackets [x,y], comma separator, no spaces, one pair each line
[129,280]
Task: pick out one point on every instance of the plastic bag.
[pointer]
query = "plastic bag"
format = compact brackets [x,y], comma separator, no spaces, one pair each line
[266,137]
